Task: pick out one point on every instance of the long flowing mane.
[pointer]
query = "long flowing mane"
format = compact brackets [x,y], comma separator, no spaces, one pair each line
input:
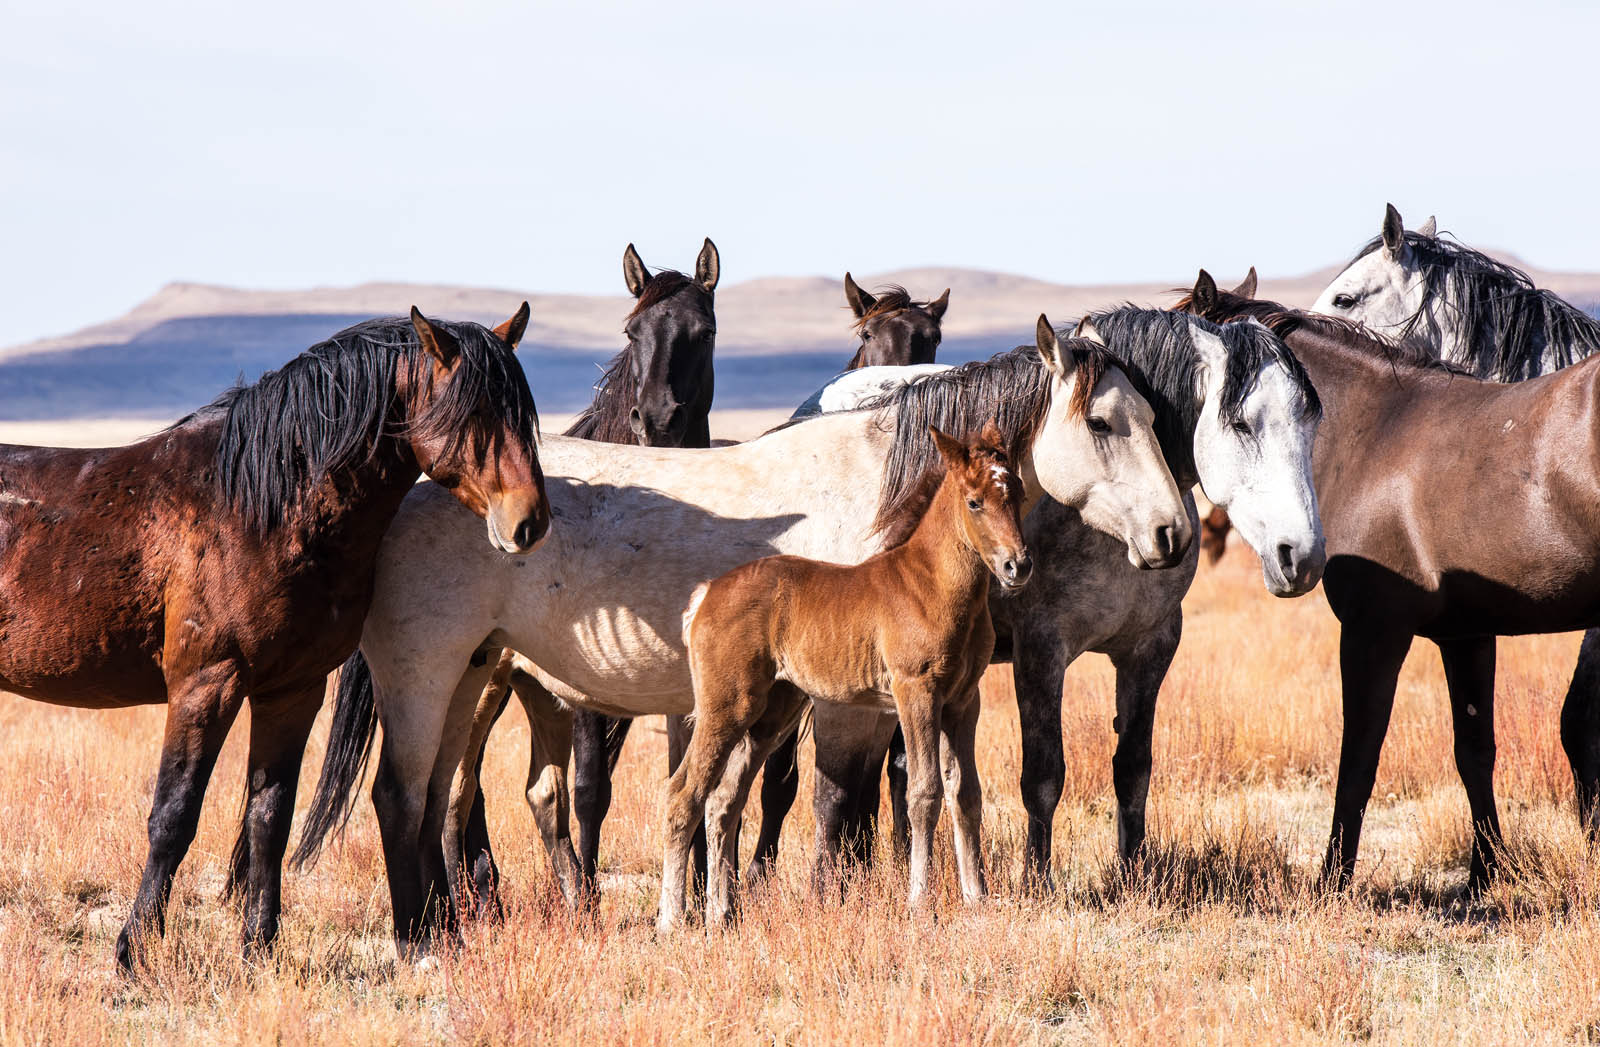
[1510,329]
[327,409]
[1156,348]
[890,299]
[606,418]
[1012,388]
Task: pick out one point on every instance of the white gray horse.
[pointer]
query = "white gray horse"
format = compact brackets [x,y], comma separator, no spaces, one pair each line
[598,613]
[1236,413]
[1488,318]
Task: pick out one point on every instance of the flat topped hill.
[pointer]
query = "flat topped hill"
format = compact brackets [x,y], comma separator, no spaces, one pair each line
[778,337]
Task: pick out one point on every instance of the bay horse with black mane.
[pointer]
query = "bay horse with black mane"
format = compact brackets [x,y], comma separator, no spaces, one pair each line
[656,392]
[232,556]
[1411,452]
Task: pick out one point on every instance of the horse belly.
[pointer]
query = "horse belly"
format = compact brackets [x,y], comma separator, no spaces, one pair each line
[615,662]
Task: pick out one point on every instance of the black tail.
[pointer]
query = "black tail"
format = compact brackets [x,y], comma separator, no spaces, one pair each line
[355,723]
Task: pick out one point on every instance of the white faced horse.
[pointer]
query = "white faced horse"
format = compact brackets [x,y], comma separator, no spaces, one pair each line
[1235,411]
[1490,319]
[598,613]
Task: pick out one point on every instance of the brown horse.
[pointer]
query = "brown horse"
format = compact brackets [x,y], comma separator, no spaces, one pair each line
[1410,452]
[894,330]
[232,556]
[907,630]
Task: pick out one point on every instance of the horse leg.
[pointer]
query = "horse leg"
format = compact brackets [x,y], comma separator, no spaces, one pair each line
[958,754]
[726,804]
[200,709]
[919,720]
[843,741]
[442,913]
[1038,662]
[1580,732]
[466,830]
[1469,671]
[1369,666]
[550,724]
[1140,671]
[596,744]
[780,784]
[724,713]
[678,732]
[278,732]
[896,765]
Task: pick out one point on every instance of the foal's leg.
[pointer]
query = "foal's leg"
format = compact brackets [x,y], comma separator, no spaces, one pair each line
[678,731]
[959,728]
[1038,661]
[1140,671]
[466,829]
[1369,666]
[1469,670]
[550,723]
[722,716]
[596,744]
[200,709]
[780,783]
[278,731]
[918,706]
[1580,731]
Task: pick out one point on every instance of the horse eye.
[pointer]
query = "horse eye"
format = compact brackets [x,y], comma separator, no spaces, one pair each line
[1099,426]
[1243,428]
[975,505]
[1344,301]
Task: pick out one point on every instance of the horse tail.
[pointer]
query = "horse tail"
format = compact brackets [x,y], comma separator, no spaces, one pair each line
[355,723]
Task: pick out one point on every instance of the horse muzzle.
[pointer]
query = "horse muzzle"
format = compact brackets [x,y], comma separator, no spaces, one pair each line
[518,525]
[1162,547]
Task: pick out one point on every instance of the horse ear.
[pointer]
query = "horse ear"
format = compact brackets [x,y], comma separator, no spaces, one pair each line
[708,267]
[437,343]
[510,332]
[1247,286]
[634,272]
[1044,338]
[954,452]
[991,436]
[1205,293]
[861,302]
[1394,231]
[1430,228]
[937,307]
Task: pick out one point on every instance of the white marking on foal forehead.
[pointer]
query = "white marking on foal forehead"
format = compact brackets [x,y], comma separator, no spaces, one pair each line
[7,498]
[1001,475]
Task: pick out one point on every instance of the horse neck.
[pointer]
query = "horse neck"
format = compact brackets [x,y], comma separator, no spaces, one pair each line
[352,509]
[938,550]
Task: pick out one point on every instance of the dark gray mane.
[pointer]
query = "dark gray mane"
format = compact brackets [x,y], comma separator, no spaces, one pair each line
[1507,325]
[606,417]
[1156,349]
[327,410]
[1012,389]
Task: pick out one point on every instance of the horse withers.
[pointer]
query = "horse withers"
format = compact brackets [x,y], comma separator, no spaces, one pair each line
[906,630]
[232,556]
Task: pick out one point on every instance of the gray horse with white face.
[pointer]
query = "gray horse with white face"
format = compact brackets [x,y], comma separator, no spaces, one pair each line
[1236,413]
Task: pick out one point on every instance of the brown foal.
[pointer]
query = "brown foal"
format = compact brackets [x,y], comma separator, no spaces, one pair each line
[907,630]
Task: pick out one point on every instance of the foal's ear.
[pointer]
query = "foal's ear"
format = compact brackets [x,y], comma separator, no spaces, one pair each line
[1394,231]
[991,437]
[708,267]
[1204,295]
[510,332]
[437,343]
[1247,286]
[1044,338]
[1430,228]
[953,451]
[861,302]
[937,307]
[634,272]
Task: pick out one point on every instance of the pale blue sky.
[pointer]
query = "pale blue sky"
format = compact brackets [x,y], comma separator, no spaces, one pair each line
[523,145]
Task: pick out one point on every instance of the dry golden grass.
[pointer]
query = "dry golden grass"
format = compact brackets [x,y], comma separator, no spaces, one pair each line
[1226,939]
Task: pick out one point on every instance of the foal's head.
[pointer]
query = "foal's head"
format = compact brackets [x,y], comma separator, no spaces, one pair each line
[988,505]
[672,332]
[470,422]
[894,330]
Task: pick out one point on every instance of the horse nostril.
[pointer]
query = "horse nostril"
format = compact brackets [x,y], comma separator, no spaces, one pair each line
[1022,569]
[1166,541]
[529,531]
[1286,559]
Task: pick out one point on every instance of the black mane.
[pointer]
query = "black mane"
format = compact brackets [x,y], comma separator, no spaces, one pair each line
[1507,325]
[327,410]
[1012,389]
[1156,349]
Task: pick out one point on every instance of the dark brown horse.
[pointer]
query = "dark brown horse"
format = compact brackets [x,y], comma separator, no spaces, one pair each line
[894,330]
[1409,454]
[656,392]
[232,556]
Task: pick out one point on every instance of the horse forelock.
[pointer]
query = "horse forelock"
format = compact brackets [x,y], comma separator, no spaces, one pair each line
[664,284]
[890,299]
